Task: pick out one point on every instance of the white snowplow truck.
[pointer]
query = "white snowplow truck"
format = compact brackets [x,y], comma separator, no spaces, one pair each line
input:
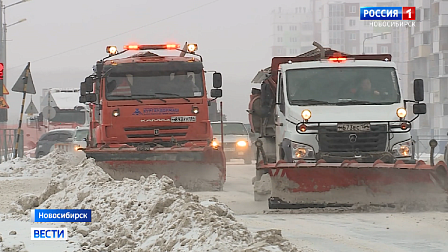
[333,127]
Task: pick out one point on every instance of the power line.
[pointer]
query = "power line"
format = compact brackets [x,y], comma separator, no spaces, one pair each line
[138,28]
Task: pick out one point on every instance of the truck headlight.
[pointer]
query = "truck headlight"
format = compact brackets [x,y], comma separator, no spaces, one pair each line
[306,114]
[403,149]
[401,113]
[301,151]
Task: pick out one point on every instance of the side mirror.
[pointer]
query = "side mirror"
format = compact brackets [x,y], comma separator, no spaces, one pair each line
[216,93]
[82,99]
[89,84]
[83,88]
[419,94]
[217,80]
[419,109]
[90,97]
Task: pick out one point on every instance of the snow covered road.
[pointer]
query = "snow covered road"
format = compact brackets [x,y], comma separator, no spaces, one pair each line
[308,232]
[334,232]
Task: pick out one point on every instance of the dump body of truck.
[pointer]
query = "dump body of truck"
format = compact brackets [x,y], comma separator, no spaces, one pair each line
[334,132]
[146,121]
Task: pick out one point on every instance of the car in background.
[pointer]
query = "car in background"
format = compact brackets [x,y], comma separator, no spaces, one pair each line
[49,139]
[237,143]
[81,136]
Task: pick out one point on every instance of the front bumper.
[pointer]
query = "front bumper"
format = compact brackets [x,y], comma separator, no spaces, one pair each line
[363,157]
[238,152]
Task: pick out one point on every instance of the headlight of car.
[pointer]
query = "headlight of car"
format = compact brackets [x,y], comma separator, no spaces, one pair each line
[403,149]
[242,143]
[301,151]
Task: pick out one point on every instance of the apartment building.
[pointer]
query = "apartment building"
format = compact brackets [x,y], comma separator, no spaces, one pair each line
[428,60]
[292,31]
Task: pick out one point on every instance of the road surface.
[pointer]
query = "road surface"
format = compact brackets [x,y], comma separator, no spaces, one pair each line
[347,232]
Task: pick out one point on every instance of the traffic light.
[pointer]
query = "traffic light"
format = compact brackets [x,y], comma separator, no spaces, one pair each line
[3,112]
[1,71]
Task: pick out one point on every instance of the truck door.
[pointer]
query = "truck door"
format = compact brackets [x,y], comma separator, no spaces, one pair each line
[279,116]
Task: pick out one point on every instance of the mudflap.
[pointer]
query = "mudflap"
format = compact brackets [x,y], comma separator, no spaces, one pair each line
[410,187]
[195,169]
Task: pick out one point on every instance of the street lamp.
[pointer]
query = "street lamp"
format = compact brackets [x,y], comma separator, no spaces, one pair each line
[384,33]
[4,7]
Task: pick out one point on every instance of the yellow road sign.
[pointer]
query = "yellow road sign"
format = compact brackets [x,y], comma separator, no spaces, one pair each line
[3,103]
[5,91]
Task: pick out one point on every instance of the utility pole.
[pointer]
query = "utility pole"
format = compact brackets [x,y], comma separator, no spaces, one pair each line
[3,112]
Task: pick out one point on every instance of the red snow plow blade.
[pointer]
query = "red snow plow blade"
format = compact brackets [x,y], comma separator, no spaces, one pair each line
[194,168]
[347,184]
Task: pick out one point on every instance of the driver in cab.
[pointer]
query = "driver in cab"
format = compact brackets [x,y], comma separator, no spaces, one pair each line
[181,84]
[365,90]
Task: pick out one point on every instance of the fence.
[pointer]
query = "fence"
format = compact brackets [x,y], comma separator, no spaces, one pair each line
[422,145]
[8,138]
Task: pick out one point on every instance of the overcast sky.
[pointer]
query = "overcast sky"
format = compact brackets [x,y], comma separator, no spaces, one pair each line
[63,39]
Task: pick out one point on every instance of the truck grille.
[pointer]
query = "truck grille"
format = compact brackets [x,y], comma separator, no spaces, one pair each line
[148,133]
[366,141]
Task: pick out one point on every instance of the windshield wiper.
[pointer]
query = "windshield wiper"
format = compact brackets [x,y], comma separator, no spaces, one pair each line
[308,101]
[127,96]
[356,102]
[150,95]
[175,95]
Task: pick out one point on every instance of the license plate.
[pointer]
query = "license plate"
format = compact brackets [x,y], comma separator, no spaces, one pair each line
[229,149]
[353,126]
[179,119]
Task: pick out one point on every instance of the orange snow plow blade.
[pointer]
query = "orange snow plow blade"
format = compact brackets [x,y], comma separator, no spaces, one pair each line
[317,185]
[193,168]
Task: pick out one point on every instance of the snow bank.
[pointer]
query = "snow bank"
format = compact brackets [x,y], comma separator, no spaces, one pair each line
[146,215]
[30,167]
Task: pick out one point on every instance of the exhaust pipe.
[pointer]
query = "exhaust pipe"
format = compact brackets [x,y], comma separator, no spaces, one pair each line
[321,48]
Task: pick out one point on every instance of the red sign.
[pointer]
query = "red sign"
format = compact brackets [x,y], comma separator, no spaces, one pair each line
[408,13]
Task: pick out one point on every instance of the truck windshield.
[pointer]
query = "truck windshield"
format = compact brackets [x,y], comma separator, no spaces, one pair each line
[229,129]
[154,85]
[69,116]
[342,86]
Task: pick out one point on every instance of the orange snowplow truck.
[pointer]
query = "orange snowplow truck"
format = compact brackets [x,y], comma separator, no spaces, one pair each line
[149,115]
[334,132]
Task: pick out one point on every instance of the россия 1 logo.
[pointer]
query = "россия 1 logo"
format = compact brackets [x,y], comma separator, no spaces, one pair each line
[388,14]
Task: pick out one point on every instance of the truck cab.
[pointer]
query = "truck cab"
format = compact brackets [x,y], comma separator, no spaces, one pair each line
[331,106]
[343,108]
